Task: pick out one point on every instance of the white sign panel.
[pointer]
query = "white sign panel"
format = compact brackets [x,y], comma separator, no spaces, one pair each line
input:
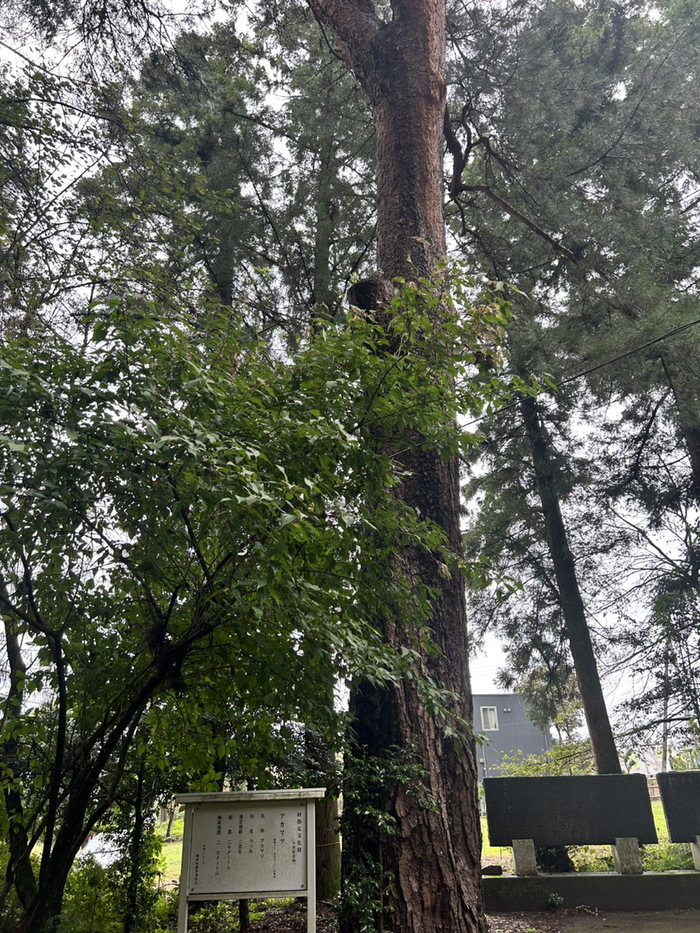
[245,844]
[248,848]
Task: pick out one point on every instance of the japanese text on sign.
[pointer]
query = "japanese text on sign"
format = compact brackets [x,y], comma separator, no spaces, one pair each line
[244,848]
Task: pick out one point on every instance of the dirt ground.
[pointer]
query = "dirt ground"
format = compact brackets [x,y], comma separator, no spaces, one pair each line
[292,919]
[589,921]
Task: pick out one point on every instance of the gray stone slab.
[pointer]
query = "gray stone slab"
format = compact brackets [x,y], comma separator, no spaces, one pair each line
[524,858]
[573,810]
[680,796]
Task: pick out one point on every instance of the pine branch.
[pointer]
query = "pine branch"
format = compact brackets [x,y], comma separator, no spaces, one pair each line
[460,157]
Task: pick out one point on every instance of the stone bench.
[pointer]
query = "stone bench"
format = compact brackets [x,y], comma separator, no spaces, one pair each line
[680,798]
[605,809]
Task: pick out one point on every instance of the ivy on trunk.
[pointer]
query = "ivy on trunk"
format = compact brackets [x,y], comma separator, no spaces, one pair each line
[429,854]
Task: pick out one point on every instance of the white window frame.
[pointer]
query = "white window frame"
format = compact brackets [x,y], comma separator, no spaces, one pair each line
[489,719]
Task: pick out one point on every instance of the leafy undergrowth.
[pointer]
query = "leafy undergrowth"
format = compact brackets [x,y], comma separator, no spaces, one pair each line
[664,856]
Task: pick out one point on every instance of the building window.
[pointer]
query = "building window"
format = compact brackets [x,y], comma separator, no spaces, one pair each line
[489,719]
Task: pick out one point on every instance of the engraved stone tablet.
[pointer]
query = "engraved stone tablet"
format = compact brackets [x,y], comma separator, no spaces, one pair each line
[680,796]
[572,810]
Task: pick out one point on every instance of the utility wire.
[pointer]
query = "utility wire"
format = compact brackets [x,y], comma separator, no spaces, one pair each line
[593,369]
[621,356]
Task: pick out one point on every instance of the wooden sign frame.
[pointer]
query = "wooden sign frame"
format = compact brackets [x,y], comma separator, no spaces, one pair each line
[249,844]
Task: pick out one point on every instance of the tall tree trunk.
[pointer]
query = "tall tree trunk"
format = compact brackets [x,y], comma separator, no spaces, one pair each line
[322,298]
[680,366]
[429,866]
[602,741]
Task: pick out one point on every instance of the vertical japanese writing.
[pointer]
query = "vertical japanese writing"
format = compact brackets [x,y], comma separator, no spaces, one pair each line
[257,846]
[229,841]
[300,830]
[217,855]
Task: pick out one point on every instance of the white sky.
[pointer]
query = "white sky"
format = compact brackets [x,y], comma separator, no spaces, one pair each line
[485,664]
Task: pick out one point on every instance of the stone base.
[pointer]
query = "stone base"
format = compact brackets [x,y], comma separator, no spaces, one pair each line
[626,856]
[695,849]
[649,891]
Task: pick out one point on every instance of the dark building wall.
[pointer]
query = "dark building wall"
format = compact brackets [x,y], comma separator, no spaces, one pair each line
[514,734]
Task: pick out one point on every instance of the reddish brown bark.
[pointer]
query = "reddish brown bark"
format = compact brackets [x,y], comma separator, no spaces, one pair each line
[400,67]
[432,860]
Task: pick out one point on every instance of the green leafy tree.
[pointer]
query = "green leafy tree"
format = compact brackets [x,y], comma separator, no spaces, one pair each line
[45,144]
[552,698]
[188,508]
[276,188]
[328,181]
[236,153]
[185,508]
[573,757]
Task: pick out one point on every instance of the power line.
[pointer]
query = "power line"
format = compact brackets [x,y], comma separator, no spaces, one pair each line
[593,369]
[621,356]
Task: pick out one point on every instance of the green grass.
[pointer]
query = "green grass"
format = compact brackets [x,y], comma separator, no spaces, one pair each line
[176,831]
[489,851]
[666,856]
[171,853]
[659,820]
[171,861]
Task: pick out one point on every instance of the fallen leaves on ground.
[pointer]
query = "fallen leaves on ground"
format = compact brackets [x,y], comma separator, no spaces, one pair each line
[292,919]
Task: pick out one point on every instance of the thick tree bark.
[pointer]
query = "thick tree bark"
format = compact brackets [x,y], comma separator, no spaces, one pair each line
[428,868]
[602,741]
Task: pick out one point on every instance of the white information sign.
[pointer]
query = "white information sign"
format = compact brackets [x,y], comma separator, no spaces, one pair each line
[249,844]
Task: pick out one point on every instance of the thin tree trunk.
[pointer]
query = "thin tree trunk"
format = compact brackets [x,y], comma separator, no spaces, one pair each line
[19,869]
[431,859]
[327,849]
[602,741]
[322,298]
[131,908]
[680,366]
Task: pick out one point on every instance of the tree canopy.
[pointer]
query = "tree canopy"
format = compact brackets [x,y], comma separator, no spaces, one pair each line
[222,493]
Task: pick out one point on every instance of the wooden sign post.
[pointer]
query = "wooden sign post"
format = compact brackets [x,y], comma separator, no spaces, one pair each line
[249,844]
